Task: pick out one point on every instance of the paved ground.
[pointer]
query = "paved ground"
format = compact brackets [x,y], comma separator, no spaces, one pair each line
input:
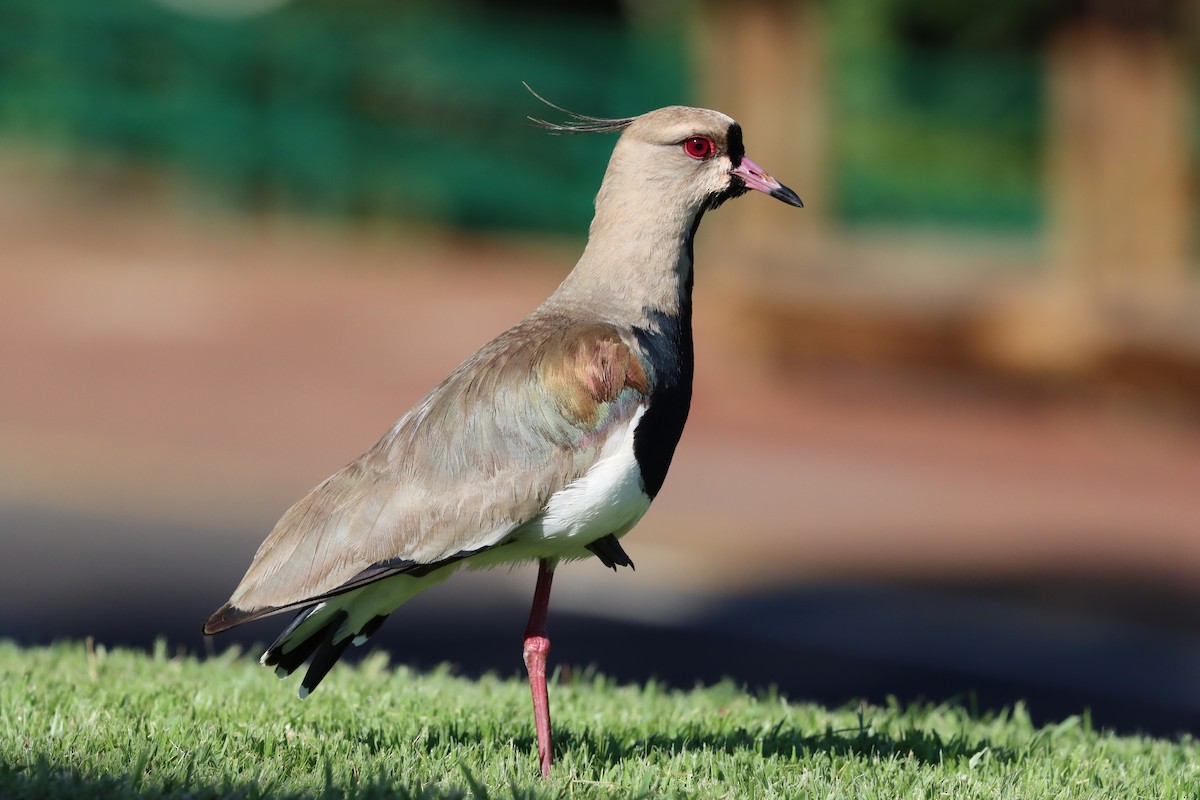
[171,384]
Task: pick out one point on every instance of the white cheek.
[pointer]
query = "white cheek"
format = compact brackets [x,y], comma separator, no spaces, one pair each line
[718,178]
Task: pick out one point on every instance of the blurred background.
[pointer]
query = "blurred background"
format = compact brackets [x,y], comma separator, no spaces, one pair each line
[945,440]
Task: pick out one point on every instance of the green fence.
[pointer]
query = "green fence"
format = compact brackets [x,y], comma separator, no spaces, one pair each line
[339,108]
[938,139]
[402,109]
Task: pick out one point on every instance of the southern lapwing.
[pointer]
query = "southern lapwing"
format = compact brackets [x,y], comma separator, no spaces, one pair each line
[548,444]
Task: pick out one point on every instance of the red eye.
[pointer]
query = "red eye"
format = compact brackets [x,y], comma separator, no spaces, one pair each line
[699,147]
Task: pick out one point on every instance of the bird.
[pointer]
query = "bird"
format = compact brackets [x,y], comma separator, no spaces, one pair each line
[547,445]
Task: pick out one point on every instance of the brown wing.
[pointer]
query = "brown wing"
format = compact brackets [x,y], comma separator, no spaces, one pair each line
[479,456]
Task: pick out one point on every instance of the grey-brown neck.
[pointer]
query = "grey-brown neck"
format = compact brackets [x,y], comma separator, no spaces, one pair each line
[638,259]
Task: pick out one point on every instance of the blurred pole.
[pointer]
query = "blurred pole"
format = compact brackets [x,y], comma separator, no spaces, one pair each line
[1120,205]
[1119,161]
[763,62]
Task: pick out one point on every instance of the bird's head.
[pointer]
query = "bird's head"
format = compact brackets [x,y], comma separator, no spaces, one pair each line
[694,155]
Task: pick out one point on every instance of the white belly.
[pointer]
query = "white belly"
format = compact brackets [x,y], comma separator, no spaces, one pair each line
[608,498]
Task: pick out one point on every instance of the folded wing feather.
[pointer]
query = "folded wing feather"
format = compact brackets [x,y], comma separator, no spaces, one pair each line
[481,455]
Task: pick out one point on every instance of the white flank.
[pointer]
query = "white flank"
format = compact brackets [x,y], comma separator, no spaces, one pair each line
[608,498]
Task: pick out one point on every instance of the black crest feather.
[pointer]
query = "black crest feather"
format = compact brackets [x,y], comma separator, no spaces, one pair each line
[578,123]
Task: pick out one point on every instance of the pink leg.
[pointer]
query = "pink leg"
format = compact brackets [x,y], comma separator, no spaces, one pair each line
[536,648]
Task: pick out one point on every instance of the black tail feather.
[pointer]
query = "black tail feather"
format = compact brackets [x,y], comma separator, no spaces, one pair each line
[298,654]
[318,646]
[327,655]
[368,630]
[271,657]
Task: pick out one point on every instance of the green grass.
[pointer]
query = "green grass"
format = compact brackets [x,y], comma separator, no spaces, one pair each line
[131,725]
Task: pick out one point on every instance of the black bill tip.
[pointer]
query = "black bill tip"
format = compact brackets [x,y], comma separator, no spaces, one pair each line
[788,196]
